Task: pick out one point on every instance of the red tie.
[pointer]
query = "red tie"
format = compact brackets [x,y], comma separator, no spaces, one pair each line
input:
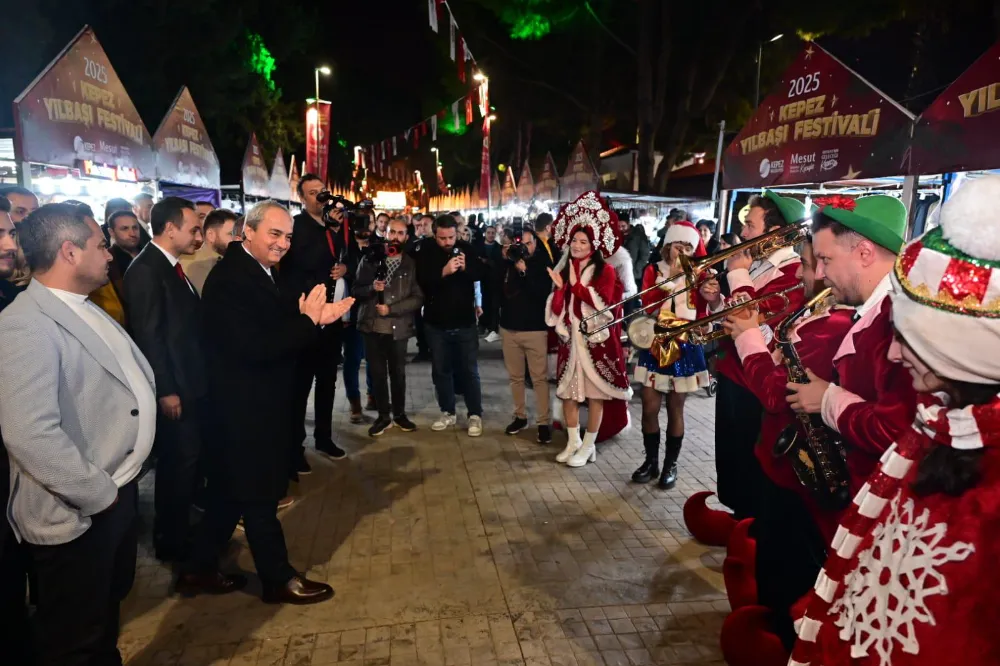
[180,272]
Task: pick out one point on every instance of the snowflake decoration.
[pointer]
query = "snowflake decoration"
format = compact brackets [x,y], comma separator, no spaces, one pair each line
[886,595]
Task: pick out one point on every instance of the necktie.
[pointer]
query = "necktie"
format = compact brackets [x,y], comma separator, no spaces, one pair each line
[180,272]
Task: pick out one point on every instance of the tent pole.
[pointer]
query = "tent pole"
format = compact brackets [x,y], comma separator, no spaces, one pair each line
[718,167]
[910,184]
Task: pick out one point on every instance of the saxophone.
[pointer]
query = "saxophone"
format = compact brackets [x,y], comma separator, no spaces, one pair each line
[816,452]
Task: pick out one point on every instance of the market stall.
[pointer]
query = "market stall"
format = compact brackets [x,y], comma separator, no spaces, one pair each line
[547,187]
[580,175]
[255,179]
[822,128]
[186,164]
[78,135]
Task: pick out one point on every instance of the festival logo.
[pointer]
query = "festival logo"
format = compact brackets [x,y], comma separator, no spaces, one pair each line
[823,120]
[184,153]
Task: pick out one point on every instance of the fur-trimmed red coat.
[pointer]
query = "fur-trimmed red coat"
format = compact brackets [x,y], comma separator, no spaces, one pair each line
[816,340]
[774,274]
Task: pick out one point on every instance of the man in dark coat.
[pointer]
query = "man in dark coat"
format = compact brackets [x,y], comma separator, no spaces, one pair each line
[253,337]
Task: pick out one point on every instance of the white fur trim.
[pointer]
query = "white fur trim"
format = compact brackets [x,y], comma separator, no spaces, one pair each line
[969,218]
[682,233]
[621,260]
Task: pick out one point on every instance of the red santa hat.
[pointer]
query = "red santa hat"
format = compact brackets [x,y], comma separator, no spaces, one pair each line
[590,214]
[683,231]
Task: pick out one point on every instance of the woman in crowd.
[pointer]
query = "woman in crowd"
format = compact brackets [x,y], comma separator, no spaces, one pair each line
[911,575]
[591,368]
[673,370]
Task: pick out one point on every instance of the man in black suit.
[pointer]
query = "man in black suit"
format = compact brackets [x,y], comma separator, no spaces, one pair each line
[253,336]
[326,254]
[164,314]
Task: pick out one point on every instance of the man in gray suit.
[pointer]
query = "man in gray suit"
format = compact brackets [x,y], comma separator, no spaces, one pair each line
[78,412]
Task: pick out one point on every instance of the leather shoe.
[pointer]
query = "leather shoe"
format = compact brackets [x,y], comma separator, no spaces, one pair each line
[298,590]
[190,584]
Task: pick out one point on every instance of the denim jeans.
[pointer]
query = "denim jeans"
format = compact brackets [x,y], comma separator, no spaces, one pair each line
[453,353]
[354,351]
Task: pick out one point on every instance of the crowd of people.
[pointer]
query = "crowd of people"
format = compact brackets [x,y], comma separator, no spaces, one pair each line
[140,342]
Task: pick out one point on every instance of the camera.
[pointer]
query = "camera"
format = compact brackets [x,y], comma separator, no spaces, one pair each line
[356,214]
[377,254]
[517,250]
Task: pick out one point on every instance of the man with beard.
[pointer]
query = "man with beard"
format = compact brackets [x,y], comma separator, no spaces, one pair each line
[218,233]
[388,299]
[13,567]
[22,202]
[123,230]
[423,229]
[164,313]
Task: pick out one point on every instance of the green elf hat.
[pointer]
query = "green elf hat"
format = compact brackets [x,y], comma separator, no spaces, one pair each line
[791,209]
[879,218]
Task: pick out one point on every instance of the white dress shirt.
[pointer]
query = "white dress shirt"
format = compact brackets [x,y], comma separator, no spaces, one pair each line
[119,345]
[173,262]
[267,269]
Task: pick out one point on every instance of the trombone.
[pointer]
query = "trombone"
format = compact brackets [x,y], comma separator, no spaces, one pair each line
[665,334]
[760,247]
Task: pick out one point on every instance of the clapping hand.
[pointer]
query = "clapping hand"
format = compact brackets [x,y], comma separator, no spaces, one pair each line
[312,305]
[556,278]
[334,311]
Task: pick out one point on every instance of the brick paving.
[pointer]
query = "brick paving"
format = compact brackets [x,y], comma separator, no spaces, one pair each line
[448,550]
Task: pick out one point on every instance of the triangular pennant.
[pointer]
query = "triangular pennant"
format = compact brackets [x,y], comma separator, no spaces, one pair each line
[432,10]
[454,113]
[434,128]
[461,59]
[468,110]
[451,34]
[393,146]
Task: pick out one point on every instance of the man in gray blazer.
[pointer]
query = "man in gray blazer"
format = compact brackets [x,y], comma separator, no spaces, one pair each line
[78,413]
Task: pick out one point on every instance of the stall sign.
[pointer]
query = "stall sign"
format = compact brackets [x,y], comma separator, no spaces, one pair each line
[77,110]
[278,187]
[256,179]
[184,153]
[822,123]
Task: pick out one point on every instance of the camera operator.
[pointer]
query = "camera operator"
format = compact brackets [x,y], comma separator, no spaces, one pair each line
[525,287]
[423,232]
[323,251]
[389,295]
[447,270]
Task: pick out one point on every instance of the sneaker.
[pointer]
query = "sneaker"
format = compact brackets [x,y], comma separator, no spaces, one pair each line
[475,426]
[331,450]
[544,434]
[405,424]
[492,336]
[302,465]
[516,426]
[285,502]
[381,424]
[370,405]
[446,421]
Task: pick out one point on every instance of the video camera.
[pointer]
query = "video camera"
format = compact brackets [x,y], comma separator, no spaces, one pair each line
[356,214]
[378,254]
[517,250]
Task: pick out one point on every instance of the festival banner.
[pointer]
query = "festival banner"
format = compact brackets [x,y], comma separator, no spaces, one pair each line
[77,110]
[958,131]
[317,139]
[484,166]
[547,187]
[509,192]
[255,177]
[580,175]
[184,153]
[525,185]
[822,123]
[278,187]
[293,181]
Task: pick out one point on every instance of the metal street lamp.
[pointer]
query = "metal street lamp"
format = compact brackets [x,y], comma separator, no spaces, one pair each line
[760,55]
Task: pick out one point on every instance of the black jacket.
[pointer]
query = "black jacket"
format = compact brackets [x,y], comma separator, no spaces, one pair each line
[449,302]
[252,338]
[309,259]
[522,301]
[164,316]
[402,295]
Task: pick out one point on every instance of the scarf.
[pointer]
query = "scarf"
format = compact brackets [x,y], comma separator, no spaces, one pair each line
[971,427]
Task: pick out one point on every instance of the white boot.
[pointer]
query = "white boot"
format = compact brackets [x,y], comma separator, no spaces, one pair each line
[571,446]
[586,453]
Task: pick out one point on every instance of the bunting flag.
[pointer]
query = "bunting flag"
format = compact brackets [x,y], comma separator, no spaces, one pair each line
[394,153]
[454,113]
[468,110]
[461,58]
[451,36]
[434,128]
[432,9]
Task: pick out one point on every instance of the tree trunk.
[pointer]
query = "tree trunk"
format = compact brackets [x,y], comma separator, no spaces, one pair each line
[595,123]
[652,84]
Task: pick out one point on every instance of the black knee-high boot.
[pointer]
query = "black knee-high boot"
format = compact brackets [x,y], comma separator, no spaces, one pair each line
[651,466]
[673,450]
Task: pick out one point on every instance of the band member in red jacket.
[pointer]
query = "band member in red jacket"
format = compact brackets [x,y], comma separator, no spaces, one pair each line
[871,402]
[737,409]
[792,528]
[912,575]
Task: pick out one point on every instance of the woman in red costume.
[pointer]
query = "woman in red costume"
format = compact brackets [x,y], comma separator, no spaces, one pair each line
[591,368]
[912,577]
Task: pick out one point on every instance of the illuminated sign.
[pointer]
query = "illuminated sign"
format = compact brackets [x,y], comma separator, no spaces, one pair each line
[127,175]
[390,200]
[95,170]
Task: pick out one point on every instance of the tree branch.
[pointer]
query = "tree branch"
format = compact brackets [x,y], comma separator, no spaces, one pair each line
[548,86]
[606,29]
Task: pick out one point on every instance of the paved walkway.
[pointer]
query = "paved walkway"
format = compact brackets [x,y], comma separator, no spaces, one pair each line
[448,550]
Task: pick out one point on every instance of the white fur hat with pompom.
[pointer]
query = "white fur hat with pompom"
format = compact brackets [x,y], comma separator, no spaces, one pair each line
[970,219]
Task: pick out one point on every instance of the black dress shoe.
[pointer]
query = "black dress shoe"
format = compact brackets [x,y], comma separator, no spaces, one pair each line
[190,584]
[331,450]
[298,590]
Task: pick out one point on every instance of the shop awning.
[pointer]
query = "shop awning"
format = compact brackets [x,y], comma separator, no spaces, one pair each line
[184,153]
[77,111]
[256,179]
[822,123]
[959,130]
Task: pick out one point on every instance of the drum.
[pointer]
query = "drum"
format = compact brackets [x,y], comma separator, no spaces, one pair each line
[641,331]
